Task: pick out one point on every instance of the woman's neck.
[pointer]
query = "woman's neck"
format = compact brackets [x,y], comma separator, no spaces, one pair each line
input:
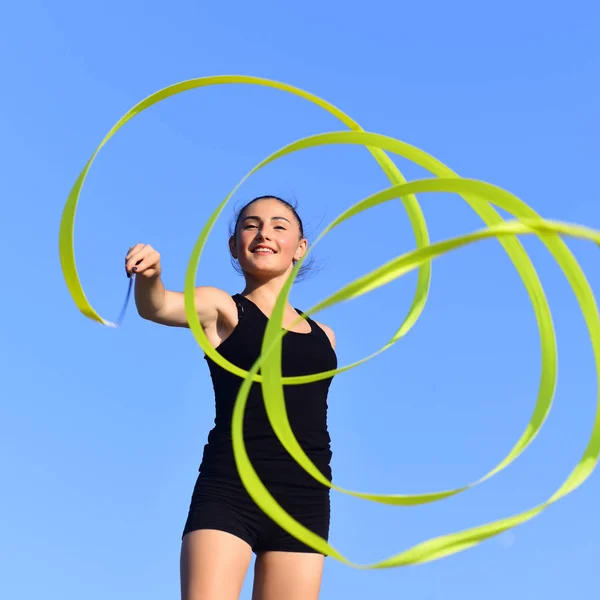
[264,293]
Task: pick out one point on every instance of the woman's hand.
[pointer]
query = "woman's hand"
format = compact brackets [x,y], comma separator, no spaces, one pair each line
[142,260]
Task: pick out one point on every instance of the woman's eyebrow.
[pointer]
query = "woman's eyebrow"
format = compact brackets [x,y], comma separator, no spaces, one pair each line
[258,218]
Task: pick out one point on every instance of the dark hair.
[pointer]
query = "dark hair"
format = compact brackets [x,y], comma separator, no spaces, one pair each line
[307,265]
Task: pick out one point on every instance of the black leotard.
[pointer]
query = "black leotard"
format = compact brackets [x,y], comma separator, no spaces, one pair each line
[219,500]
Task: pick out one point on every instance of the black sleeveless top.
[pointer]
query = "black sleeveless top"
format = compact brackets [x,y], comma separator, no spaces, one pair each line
[303,354]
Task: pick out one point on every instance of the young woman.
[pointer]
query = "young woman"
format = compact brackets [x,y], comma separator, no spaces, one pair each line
[224,526]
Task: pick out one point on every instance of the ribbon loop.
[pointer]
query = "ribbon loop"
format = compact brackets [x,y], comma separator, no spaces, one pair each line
[481,197]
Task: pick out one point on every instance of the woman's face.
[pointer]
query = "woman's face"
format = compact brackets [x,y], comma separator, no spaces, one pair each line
[268,239]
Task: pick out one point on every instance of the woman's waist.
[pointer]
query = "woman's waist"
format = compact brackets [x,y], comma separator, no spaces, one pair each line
[268,457]
[264,441]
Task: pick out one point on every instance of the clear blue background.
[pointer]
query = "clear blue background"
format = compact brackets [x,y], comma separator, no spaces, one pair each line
[101,431]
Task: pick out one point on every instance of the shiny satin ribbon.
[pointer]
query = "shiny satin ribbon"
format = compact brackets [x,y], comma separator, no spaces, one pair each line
[481,197]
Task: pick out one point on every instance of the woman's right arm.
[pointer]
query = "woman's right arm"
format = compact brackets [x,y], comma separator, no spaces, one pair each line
[157,304]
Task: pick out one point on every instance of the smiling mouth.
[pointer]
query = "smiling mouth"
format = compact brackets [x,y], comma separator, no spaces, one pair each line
[263,251]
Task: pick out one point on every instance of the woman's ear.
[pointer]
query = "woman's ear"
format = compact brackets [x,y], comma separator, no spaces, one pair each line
[232,247]
[301,250]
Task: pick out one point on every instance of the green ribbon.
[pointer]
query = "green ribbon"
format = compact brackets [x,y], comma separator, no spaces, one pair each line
[480,197]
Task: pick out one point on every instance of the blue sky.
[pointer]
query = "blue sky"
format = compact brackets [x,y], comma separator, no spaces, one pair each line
[102,431]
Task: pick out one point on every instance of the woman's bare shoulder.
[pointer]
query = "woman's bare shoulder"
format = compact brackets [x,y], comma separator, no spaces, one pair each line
[214,300]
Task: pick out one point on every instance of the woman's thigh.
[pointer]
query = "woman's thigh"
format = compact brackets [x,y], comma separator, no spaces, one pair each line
[288,575]
[213,565]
